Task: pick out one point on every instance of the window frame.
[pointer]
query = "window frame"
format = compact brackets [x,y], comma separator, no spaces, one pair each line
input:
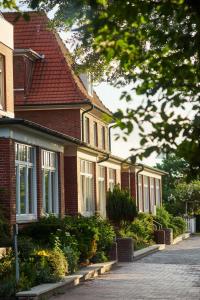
[103,137]
[102,186]
[3,82]
[111,179]
[20,217]
[87,130]
[87,175]
[158,189]
[95,128]
[146,193]
[140,193]
[50,169]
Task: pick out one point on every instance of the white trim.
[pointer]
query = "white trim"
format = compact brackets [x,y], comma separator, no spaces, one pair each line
[31,137]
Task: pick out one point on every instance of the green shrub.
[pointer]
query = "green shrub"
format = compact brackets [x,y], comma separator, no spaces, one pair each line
[120,206]
[51,265]
[169,221]
[5,237]
[178,225]
[7,275]
[141,230]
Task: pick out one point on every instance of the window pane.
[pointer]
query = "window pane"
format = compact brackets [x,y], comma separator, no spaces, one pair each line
[30,191]
[22,190]
[53,205]
[46,182]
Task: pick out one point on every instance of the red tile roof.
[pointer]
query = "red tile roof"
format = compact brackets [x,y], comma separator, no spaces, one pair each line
[53,81]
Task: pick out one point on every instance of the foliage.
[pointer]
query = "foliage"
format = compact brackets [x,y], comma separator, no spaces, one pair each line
[178,171]
[154,46]
[141,230]
[4,229]
[185,193]
[120,206]
[169,221]
[78,237]
[7,275]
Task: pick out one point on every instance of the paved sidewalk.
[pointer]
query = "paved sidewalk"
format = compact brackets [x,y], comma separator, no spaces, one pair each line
[171,274]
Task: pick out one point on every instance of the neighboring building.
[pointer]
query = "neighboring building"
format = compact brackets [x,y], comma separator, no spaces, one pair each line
[145,185]
[55,153]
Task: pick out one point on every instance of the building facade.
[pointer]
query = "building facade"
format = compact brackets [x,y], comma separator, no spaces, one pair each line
[54,137]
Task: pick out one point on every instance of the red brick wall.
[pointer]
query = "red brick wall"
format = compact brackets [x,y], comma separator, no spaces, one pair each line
[129,179]
[71,187]
[66,121]
[8,179]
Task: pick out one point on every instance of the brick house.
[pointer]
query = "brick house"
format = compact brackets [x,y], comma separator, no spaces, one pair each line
[60,126]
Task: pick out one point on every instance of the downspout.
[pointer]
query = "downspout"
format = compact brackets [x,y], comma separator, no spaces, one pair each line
[137,177]
[83,124]
[104,159]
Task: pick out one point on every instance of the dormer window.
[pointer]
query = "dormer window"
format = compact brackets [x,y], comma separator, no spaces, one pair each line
[2,81]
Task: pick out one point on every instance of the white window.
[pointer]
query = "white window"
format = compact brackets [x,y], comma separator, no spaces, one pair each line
[87,130]
[2,81]
[87,188]
[158,196]
[26,208]
[50,182]
[140,200]
[146,194]
[112,179]
[152,194]
[95,134]
[102,191]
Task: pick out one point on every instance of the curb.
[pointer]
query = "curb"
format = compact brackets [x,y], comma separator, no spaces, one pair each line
[147,251]
[46,290]
[181,237]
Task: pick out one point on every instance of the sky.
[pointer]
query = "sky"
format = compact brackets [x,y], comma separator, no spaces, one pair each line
[110,97]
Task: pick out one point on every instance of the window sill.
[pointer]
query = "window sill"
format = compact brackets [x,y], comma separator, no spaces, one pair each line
[26,218]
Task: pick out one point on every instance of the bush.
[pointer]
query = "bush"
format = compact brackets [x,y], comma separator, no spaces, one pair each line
[120,206]
[5,237]
[78,237]
[141,230]
[169,221]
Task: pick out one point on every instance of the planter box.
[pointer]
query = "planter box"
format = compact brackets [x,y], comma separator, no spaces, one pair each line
[159,236]
[168,236]
[125,249]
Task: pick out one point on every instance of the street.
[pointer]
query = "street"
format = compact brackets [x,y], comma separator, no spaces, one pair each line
[170,274]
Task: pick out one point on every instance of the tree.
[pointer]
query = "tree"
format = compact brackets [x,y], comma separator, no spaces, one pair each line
[178,171]
[10,4]
[185,199]
[153,45]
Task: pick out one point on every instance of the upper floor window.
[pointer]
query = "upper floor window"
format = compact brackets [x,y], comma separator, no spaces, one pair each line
[49,182]
[2,81]
[25,182]
[87,188]
[103,137]
[87,130]
[112,179]
[95,134]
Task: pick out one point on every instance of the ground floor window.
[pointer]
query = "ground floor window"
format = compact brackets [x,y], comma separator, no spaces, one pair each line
[140,196]
[158,196]
[146,194]
[102,190]
[25,181]
[112,179]
[49,182]
[87,188]
[152,194]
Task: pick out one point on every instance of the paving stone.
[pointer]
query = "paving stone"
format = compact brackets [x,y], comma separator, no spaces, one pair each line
[173,273]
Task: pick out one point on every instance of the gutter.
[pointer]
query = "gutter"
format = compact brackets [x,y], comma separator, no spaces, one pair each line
[104,159]
[83,123]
